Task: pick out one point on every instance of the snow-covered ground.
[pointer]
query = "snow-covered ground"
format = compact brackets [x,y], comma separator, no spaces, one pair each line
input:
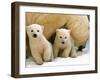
[82,59]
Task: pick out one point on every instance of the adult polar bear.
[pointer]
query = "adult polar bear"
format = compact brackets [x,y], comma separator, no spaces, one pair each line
[78,24]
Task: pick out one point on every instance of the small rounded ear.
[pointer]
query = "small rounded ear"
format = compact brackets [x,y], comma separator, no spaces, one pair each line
[42,27]
[69,31]
[57,30]
[27,27]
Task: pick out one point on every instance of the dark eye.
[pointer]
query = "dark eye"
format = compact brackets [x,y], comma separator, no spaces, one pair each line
[31,30]
[60,36]
[37,30]
[65,37]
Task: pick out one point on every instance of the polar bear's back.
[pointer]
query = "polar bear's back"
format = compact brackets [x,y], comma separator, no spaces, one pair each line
[79,26]
[77,23]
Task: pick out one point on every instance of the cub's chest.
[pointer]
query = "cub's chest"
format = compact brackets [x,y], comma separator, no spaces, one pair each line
[37,46]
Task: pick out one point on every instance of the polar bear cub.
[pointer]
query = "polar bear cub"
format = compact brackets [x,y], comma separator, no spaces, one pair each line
[63,44]
[41,49]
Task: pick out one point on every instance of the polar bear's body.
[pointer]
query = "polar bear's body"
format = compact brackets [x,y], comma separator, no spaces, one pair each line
[41,49]
[64,43]
[78,24]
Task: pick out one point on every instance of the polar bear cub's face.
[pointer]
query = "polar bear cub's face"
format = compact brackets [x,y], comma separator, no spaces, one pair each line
[62,36]
[34,30]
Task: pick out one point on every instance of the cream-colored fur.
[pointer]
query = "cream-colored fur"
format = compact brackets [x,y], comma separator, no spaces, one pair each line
[64,44]
[78,24]
[41,49]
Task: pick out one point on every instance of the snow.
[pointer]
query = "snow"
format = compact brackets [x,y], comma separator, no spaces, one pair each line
[82,59]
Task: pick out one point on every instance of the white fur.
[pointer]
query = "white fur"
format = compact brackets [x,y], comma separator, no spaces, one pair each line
[41,49]
[63,35]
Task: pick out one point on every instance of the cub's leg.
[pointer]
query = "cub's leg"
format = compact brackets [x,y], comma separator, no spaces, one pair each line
[66,52]
[73,52]
[37,57]
[48,54]
[55,51]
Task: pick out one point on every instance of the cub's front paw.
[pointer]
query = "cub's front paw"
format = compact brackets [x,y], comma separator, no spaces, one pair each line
[74,55]
[48,59]
[39,62]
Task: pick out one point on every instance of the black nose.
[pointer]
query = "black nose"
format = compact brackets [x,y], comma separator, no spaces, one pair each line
[62,42]
[34,35]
